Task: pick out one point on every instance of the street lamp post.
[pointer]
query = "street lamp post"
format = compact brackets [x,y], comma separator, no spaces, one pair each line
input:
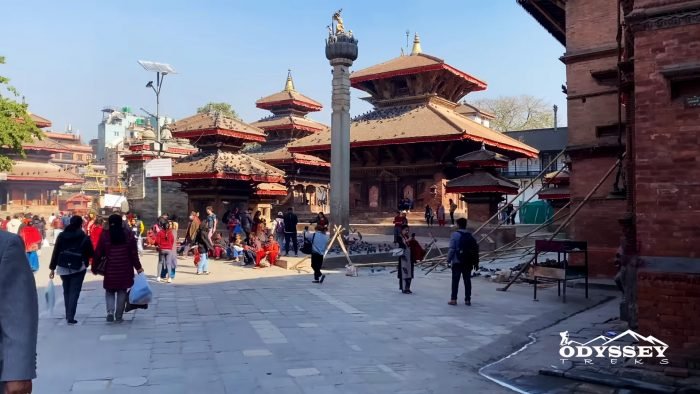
[161,70]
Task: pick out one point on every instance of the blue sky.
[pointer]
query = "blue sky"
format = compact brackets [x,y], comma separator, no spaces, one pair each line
[71,58]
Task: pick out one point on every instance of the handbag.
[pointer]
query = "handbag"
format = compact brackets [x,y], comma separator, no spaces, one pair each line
[307,247]
[99,267]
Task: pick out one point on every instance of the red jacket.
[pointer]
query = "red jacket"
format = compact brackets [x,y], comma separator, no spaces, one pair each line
[95,236]
[165,240]
[122,260]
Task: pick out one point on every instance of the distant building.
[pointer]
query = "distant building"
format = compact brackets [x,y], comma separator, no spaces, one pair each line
[78,155]
[33,182]
[118,125]
[549,142]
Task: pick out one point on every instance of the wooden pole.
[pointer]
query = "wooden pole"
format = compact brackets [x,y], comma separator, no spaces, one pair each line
[568,220]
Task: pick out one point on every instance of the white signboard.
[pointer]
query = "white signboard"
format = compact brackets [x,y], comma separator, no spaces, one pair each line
[159,167]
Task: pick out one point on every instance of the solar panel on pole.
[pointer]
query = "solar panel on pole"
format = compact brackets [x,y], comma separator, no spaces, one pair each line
[157,67]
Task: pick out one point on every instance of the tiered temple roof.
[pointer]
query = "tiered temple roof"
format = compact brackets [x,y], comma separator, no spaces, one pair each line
[288,123]
[416,101]
[220,139]
[558,189]
[482,178]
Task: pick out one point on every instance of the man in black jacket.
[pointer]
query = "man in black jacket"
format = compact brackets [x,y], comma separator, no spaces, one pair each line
[19,317]
[290,231]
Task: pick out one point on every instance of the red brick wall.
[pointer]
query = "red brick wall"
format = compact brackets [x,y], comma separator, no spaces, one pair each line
[669,309]
[667,181]
[590,23]
[478,212]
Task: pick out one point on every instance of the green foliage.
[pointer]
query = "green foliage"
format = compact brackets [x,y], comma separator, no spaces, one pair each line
[16,125]
[517,112]
[223,108]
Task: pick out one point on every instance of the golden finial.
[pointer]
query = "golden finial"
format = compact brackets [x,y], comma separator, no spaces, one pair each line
[289,85]
[416,46]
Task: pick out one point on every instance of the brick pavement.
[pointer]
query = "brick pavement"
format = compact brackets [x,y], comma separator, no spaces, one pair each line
[241,330]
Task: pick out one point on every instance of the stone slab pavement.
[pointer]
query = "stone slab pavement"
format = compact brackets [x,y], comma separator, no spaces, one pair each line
[242,330]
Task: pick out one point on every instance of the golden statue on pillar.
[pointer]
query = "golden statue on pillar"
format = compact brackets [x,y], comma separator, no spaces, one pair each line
[339,27]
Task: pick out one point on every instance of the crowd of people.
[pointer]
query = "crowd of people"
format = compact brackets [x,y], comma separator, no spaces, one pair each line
[439,214]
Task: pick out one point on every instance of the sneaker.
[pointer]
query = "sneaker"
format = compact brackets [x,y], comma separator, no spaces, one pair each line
[296,254]
[467,302]
[206,273]
[323,277]
[452,302]
[315,281]
[170,280]
[110,317]
[119,319]
[158,279]
[72,322]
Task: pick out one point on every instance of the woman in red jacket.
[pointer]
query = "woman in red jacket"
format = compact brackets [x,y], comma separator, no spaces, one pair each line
[32,242]
[96,231]
[118,247]
[165,241]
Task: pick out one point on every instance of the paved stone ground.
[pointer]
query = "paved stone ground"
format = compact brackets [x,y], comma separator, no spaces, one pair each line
[241,330]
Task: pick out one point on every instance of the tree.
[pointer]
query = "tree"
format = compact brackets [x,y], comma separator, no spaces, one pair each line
[16,125]
[517,112]
[222,108]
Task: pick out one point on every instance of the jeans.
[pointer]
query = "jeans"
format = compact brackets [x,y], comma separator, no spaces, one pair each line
[316,264]
[279,237]
[72,284]
[163,257]
[461,270]
[164,273]
[203,263]
[293,238]
[118,297]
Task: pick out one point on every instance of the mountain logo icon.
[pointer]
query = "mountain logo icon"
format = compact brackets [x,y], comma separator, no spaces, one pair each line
[628,344]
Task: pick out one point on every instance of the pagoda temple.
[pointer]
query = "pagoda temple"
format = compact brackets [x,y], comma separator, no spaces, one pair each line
[405,147]
[483,187]
[33,182]
[307,176]
[219,174]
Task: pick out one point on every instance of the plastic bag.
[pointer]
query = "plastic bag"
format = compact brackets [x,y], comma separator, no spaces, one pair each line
[139,245]
[50,296]
[350,270]
[140,293]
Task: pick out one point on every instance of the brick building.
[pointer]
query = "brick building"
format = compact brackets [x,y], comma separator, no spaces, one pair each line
[641,94]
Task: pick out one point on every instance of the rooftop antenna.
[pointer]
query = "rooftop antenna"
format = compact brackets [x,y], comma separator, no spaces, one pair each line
[408,34]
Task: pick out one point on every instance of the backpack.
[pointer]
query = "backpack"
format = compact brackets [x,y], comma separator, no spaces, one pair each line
[307,247]
[279,227]
[468,250]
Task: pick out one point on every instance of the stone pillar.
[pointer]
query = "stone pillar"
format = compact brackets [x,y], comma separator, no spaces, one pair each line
[341,51]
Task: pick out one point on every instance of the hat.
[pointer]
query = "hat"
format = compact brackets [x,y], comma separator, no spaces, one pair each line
[280,213]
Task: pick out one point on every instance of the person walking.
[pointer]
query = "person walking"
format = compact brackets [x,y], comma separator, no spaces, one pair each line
[165,242]
[211,220]
[441,215]
[57,225]
[204,245]
[290,231]
[463,256]
[278,228]
[32,243]
[453,208]
[118,247]
[510,214]
[406,262]
[19,317]
[71,258]
[319,241]
[429,215]
[96,232]
[192,230]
